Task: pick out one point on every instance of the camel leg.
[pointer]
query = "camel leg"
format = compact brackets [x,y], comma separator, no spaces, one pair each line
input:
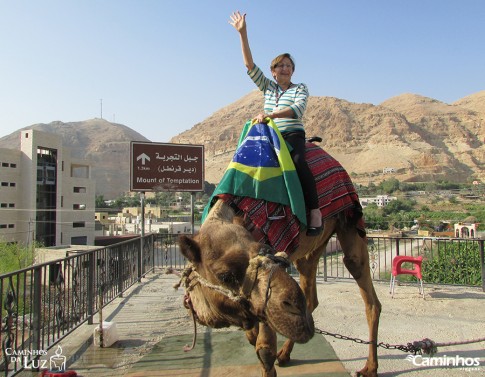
[356,259]
[252,335]
[266,350]
[307,267]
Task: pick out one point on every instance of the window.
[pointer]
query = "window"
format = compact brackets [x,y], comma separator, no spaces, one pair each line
[79,206]
[11,205]
[46,197]
[4,164]
[79,224]
[81,240]
[3,226]
[13,184]
[5,184]
[11,226]
[13,165]
[79,190]
[3,205]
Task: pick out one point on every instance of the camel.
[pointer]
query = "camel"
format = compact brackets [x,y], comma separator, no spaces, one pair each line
[235,281]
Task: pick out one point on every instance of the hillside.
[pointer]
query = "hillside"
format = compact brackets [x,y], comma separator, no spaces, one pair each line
[421,138]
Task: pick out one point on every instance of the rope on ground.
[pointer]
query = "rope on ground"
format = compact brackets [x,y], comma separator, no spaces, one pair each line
[425,346]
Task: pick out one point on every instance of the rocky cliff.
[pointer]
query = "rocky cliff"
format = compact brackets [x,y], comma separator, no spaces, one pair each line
[419,138]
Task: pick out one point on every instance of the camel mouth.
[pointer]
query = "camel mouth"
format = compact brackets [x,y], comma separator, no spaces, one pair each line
[298,328]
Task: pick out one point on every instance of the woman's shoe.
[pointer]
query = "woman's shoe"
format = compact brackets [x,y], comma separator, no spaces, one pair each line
[313,231]
[315,218]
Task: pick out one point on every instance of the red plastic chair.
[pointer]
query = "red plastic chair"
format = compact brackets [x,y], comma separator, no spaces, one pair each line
[398,270]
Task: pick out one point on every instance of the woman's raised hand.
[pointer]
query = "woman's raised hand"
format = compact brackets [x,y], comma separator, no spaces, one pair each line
[238,21]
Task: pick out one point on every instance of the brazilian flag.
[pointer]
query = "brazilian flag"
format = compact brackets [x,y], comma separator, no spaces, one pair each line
[262,168]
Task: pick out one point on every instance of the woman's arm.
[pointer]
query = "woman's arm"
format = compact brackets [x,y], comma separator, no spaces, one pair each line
[238,21]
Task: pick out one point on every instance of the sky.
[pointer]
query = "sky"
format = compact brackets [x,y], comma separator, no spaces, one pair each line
[160,67]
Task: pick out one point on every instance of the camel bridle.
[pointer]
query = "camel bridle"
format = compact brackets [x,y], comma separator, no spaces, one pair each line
[191,278]
[257,264]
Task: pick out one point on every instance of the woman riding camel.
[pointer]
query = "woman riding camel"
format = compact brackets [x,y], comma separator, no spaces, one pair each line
[285,103]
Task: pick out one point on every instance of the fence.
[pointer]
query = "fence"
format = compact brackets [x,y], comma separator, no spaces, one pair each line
[447,261]
[453,261]
[43,304]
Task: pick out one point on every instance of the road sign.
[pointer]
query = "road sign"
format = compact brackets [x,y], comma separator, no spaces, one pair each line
[166,167]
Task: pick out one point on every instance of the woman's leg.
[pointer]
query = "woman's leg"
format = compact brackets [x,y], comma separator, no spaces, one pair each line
[297,142]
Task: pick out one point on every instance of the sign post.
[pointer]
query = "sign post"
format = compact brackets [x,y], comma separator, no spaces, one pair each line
[142,237]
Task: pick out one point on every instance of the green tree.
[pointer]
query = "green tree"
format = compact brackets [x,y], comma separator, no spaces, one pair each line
[390,185]
[398,205]
[373,217]
[99,202]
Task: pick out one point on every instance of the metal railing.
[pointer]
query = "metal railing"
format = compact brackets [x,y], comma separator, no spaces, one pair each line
[46,302]
[447,261]
[43,304]
[450,261]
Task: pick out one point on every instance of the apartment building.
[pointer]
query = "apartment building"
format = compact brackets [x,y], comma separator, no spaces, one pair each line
[379,200]
[45,194]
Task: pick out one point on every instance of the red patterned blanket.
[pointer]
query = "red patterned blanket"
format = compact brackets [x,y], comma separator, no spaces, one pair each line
[275,224]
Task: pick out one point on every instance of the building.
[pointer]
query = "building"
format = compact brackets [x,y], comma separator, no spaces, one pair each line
[388,170]
[379,200]
[45,195]
[466,230]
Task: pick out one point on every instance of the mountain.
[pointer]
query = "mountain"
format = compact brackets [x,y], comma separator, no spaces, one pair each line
[419,138]
[104,144]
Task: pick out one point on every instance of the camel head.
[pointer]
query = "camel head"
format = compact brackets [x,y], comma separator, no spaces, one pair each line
[232,283]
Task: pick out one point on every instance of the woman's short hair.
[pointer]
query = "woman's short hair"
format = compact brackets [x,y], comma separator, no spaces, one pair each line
[279,59]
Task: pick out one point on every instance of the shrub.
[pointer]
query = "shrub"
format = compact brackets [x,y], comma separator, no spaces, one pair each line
[454,264]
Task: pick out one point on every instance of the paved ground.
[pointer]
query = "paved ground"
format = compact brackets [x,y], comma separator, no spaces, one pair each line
[151,315]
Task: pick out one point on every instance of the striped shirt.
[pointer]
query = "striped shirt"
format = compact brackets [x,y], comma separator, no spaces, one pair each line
[275,98]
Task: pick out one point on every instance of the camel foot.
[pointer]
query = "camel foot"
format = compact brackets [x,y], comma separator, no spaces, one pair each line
[283,355]
[267,359]
[283,359]
[366,373]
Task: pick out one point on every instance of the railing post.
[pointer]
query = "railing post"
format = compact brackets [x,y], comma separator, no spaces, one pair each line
[37,312]
[91,279]
[121,269]
[153,252]
[482,260]
[397,246]
[325,265]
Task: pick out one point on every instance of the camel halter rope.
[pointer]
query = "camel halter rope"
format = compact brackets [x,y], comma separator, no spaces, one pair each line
[191,278]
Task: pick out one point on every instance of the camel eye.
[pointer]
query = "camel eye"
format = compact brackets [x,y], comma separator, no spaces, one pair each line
[228,278]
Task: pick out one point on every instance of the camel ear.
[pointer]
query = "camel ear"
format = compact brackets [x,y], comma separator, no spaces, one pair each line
[190,249]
